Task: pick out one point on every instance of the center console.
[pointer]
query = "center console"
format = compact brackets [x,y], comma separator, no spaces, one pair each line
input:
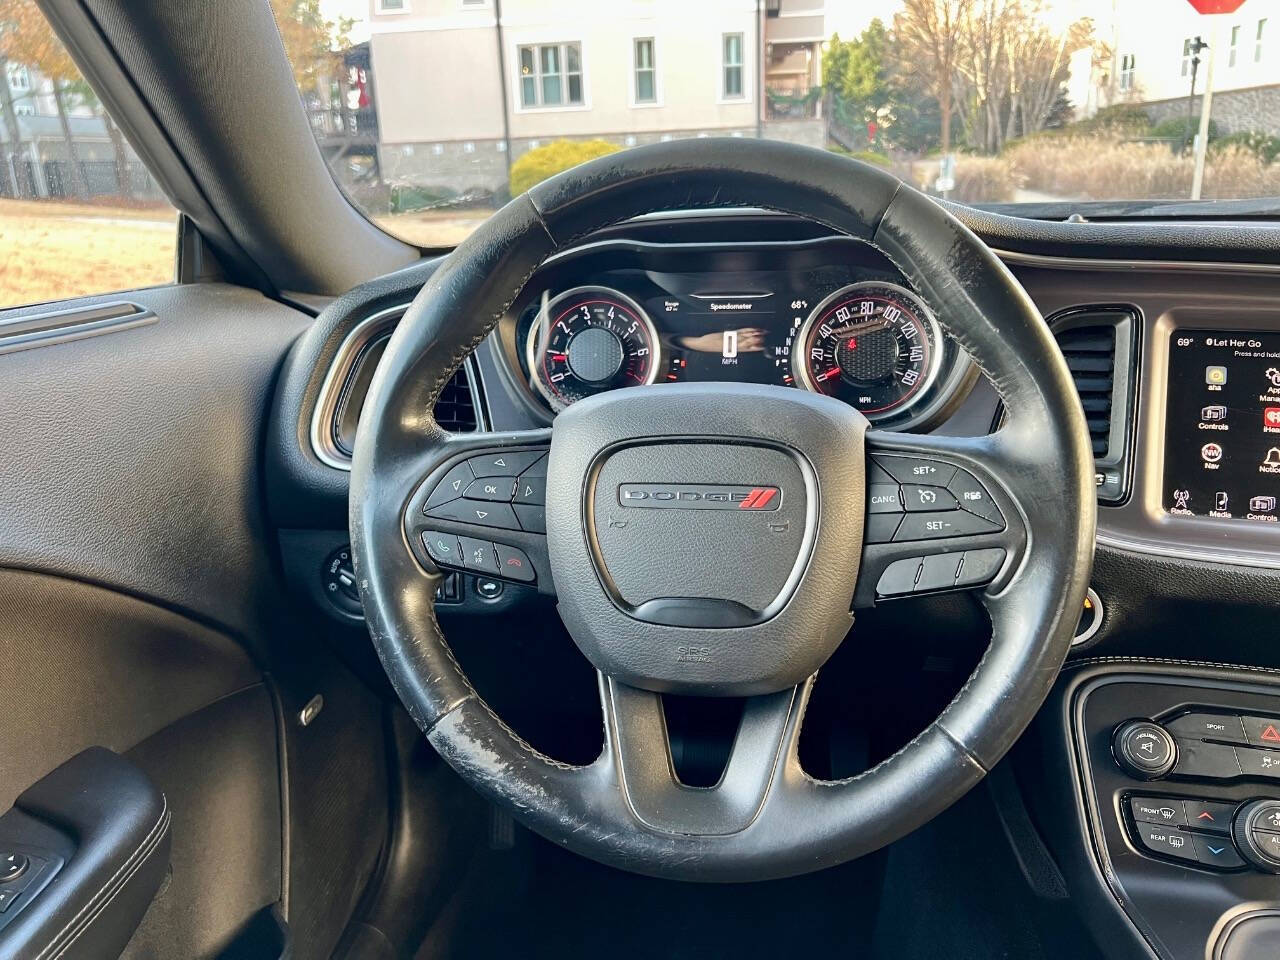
[1179,772]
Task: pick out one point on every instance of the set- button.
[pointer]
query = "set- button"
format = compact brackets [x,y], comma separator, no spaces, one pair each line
[912,498]
[503,489]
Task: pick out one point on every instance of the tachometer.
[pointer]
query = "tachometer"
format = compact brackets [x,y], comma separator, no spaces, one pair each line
[874,345]
[588,340]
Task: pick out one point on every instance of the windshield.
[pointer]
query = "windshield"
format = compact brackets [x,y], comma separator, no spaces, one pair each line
[432,113]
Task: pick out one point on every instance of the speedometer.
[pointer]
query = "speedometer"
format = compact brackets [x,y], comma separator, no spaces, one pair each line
[874,345]
[588,340]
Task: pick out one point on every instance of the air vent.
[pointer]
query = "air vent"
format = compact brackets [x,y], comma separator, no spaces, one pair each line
[1100,347]
[342,395]
[1090,353]
[456,408]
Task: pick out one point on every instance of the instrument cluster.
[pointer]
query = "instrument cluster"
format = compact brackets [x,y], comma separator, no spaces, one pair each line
[830,316]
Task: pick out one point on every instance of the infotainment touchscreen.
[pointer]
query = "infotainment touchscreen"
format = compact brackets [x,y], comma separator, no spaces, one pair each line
[1222,425]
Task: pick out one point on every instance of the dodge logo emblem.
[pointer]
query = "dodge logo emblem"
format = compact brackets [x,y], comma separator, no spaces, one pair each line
[699,496]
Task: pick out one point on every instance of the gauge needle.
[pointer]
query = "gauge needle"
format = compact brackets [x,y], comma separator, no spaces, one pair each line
[867,326]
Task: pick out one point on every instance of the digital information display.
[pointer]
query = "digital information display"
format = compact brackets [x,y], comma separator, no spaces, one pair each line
[1222,425]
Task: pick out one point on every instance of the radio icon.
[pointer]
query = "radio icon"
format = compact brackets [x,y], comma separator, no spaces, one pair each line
[1213,413]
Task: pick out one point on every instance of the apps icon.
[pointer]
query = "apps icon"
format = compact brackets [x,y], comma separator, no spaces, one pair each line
[1273,375]
[1215,376]
[1262,504]
[1218,412]
[1212,453]
[1271,417]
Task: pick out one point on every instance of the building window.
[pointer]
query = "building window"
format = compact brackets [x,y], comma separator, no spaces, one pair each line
[1127,63]
[732,88]
[551,75]
[19,77]
[646,79]
[393,6]
[1235,42]
[1257,46]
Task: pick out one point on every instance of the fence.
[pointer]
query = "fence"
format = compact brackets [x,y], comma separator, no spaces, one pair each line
[23,179]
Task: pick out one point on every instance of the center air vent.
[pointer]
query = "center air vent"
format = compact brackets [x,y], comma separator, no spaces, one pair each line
[1090,353]
[1099,346]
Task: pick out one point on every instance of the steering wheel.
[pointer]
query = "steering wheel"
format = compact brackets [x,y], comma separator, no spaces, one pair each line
[712,539]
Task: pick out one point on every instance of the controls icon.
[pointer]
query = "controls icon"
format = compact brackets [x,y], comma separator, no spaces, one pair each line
[1215,376]
[1212,453]
[1213,413]
[1262,504]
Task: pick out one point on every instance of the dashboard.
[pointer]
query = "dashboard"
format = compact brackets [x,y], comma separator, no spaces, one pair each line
[829,315]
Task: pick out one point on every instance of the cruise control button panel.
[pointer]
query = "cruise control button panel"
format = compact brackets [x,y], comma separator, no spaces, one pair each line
[927,499]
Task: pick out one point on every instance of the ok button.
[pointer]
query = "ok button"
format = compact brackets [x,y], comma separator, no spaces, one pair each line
[499,489]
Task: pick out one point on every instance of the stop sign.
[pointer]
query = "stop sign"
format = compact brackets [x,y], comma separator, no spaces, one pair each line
[1216,6]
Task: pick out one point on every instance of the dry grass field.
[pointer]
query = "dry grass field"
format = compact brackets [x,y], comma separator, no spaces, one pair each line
[50,250]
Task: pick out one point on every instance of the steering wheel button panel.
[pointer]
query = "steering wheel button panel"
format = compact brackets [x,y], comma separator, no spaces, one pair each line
[451,487]
[499,489]
[939,572]
[980,566]
[478,556]
[899,577]
[514,563]
[482,514]
[443,548]
[508,464]
[532,517]
[916,470]
[921,499]
[937,526]
[884,498]
[974,497]
[531,489]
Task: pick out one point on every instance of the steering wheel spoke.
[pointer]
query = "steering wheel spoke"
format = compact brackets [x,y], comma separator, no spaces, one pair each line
[939,518]
[638,752]
[480,507]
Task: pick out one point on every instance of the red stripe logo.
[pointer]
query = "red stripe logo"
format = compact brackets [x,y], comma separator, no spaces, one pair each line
[758,498]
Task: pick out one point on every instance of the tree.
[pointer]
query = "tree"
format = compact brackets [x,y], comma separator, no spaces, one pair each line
[312,43]
[27,38]
[928,38]
[856,70]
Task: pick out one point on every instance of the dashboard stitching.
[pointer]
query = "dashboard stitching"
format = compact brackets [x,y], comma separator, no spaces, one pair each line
[1167,661]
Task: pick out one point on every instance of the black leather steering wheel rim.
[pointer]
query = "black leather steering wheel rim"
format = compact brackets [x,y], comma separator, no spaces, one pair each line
[1041,457]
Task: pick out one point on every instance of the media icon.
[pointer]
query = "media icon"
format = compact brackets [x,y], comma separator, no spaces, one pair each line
[1220,500]
[1212,453]
[1262,504]
[1215,413]
[1215,376]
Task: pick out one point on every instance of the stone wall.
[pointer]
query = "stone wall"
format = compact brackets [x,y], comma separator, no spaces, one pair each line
[460,167]
[1255,109]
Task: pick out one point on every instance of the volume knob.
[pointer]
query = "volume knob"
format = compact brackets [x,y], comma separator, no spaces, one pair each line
[1144,749]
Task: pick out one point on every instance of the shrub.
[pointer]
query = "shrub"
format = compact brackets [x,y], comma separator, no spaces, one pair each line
[1175,128]
[984,180]
[1119,119]
[407,197]
[543,162]
[866,156]
[1088,168]
[1262,145]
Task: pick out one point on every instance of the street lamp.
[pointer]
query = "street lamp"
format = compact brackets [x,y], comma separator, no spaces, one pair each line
[1194,47]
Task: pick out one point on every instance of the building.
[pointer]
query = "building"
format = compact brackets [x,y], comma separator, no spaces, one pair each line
[36,157]
[634,72]
[1150,64]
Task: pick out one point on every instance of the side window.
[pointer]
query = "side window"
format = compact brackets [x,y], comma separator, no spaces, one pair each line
[79,213]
